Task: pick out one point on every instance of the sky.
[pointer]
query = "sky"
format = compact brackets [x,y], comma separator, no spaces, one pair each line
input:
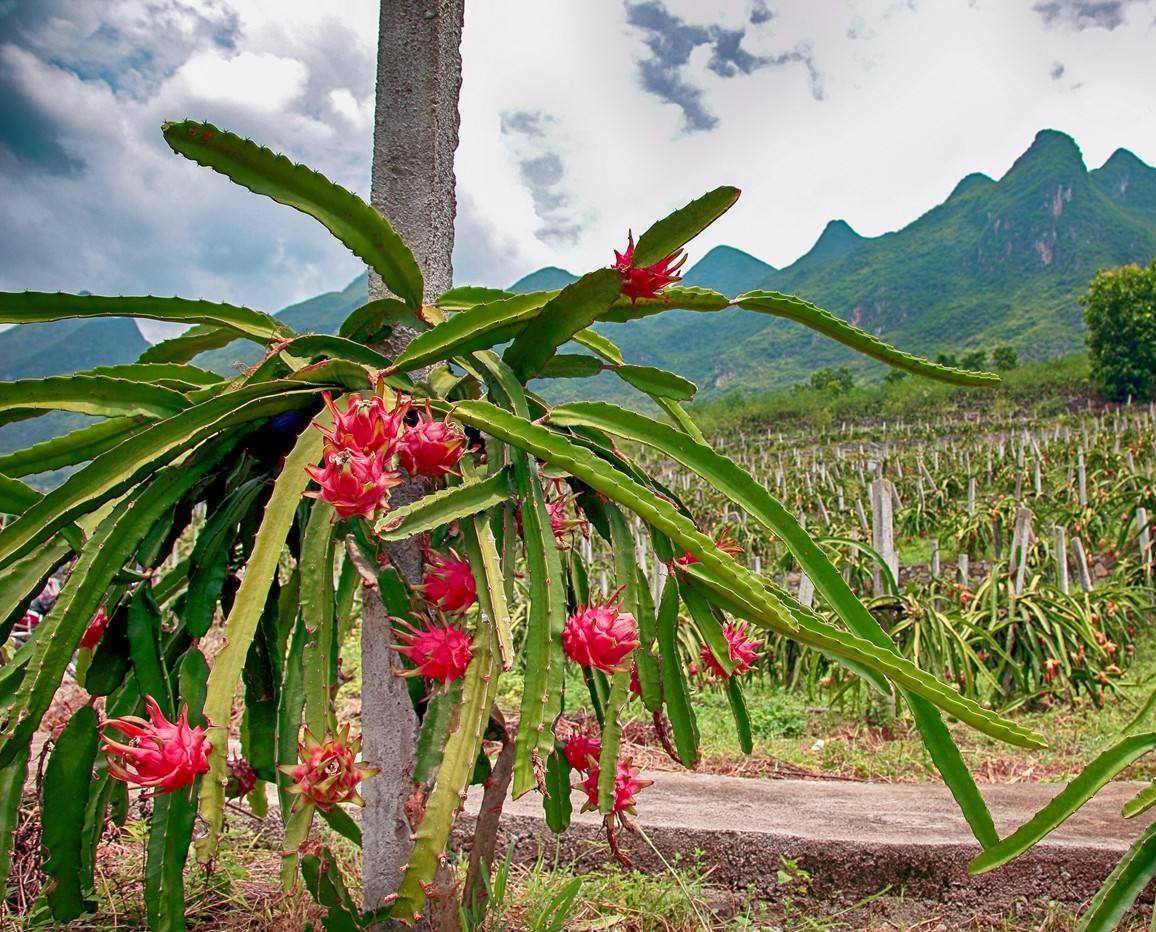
[580,120]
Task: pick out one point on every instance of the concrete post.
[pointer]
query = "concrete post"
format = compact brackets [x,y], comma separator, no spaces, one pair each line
[1083,571]
[883,529]
[1062,559]
[419,73]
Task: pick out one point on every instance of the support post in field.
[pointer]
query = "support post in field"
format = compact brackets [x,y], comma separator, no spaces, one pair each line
[1062,559]
[806,594]
[1144,540]
[419,73]
[1083,571]
[883,530]
[1021,542]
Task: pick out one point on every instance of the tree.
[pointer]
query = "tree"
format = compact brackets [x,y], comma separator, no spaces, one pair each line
[1120,313]
[976,360]
[1004,358]
[833,380]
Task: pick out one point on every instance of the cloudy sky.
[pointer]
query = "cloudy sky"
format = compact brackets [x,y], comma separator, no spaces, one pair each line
[579,119]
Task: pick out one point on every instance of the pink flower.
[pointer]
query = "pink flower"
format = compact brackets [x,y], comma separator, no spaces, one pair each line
[95,630]
[365,426]
[743,651]
[600,636]
[448,583]
[440,653]
[328,773]
[431,447]
[353,483]
[647,281]
[627,786]
[160,754]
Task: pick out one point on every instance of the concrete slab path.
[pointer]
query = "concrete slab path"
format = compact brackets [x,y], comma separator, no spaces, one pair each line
[853,838]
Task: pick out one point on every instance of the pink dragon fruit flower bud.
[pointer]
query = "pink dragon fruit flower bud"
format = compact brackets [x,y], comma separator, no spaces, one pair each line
[328,773]
[431,448]
[600,636]
[646,281]
[240,778]
[563,526]
[725,543]
[627,786]
[159,754]
[449,583]
[635,682]
[744,651]
[582,751]
[353,483]
[95,630]
[365,426]
[440,653]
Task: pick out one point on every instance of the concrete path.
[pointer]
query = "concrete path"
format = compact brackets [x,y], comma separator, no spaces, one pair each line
[853,838]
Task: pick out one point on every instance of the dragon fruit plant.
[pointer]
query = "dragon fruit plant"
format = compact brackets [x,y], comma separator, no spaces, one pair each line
[282,478]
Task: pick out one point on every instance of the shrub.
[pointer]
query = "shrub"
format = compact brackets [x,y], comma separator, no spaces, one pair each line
[1004,358]
[1120,311]
[833,380]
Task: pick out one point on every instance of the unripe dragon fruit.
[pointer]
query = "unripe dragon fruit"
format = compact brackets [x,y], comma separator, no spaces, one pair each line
[744,651]
[240,778]
[440,653]
[353,483]
[449,583]
[160,754]
[328,773]
[582,751]
[365,426]
[627,786]
[95,630]
[646,281]
[600,636]
[430,448]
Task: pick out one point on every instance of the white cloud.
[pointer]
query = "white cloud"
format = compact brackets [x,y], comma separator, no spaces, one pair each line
[262,81]
[358,114]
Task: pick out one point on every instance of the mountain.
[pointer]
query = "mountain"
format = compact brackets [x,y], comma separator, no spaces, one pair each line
[997,262]
[321,314]
[1128,182]
[548,279]
[836,240]
[33,351]
[728,270]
